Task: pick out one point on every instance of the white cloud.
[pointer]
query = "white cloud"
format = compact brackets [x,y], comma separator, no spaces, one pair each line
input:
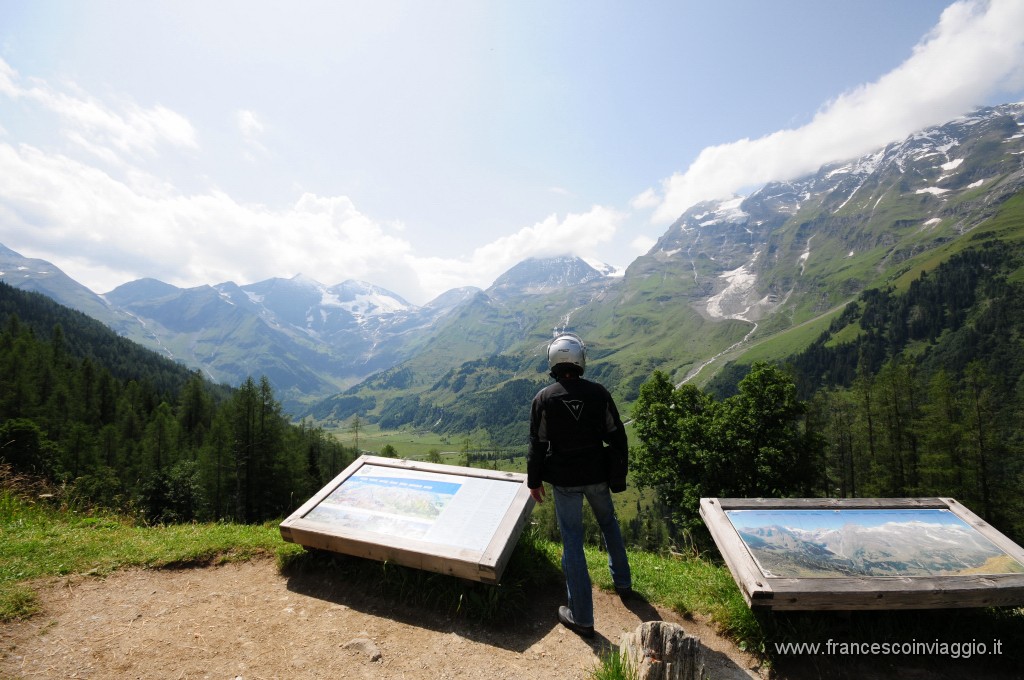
[8,76]
[107,220]
[643,244]
[248,124]
[52,205]
[975,50]
[576,233]
[251,129]
[50,202]
[103,130]
[646,200]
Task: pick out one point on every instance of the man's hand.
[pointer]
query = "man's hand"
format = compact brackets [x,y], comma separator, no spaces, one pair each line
[538,494]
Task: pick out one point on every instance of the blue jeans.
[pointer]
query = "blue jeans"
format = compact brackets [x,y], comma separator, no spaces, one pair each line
[569,512]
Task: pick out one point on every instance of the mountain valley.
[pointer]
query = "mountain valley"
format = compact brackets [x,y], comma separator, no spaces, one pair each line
[764,272]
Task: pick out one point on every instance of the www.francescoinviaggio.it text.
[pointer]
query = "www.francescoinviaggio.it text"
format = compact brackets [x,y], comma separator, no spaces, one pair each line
[963,649]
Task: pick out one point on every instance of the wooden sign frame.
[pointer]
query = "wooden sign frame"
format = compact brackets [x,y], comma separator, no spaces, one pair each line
[443,518]
[765,590]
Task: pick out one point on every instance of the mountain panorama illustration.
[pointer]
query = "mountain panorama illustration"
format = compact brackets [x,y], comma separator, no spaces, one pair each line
[851,543]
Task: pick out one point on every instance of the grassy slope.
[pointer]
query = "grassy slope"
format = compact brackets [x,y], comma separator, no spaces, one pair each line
[1007,225]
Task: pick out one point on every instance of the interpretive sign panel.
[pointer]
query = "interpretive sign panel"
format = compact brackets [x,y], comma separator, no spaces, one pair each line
[453,520]
[864,553]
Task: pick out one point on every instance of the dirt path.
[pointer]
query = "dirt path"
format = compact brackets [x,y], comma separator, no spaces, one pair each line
[249,621]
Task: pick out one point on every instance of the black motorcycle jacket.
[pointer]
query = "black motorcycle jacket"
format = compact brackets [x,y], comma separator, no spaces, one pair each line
[571,421]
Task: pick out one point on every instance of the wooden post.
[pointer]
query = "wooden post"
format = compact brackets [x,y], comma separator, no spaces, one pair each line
[658,650]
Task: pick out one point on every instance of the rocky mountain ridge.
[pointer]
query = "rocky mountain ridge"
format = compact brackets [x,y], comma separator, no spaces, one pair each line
[942,181]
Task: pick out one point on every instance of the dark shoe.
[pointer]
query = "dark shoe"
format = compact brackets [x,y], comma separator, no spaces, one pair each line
[624,593]
[565,618]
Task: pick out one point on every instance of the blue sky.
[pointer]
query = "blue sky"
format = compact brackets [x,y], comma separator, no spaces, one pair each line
[810,520]
[424,146]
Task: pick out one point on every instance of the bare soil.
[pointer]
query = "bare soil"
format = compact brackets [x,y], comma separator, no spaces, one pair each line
[248,620]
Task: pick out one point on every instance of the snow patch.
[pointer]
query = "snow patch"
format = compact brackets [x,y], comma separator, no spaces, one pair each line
[603,267]
[935,191]
[731,210]
[741,282]
[727,211]
[804,255]
[952,164]
[839,171]
[934,220]
[975,185]
[362,304]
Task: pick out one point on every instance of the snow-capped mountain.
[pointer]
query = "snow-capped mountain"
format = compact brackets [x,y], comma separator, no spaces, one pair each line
[332,335]
[748,255]
[538,276]
[308,338]
[322,311]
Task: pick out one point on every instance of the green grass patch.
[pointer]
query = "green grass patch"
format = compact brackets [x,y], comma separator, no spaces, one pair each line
[848,334]
[409,443]
[772,345]
[789,341]
[613,667]
[17,602]
[690,586]
[37,541]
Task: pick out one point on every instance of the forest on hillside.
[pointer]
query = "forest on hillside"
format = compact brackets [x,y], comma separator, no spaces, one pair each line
[927,400]
[917,392]
[120,427]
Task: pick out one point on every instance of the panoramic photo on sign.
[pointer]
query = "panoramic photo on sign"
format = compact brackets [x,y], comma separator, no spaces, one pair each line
[454,520]
[807,553]
[438,508]
[883,542]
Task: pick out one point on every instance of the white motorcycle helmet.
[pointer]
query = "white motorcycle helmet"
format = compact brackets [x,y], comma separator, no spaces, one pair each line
[567,348]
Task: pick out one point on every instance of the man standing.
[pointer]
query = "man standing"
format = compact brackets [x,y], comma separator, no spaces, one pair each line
[571,420]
